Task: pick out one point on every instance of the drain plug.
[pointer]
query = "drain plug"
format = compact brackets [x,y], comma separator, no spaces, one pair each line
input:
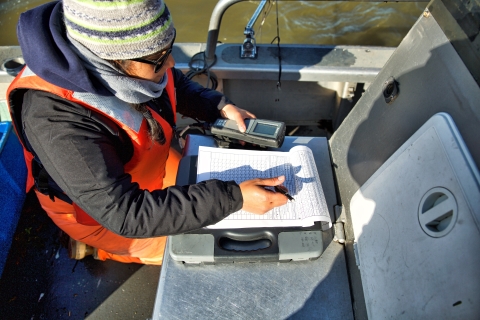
[437,212]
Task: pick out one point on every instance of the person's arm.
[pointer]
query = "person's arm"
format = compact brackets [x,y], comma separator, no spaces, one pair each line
[86,160]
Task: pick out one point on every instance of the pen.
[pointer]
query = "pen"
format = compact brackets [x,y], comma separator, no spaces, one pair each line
[284,191]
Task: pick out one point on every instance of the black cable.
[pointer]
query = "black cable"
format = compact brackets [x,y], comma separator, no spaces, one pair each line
[279,83]
[205,69]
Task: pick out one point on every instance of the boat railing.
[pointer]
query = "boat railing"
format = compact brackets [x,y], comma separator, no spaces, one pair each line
[214,28]
[248,48]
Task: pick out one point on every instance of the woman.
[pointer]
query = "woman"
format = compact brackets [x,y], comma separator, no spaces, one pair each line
[95,110]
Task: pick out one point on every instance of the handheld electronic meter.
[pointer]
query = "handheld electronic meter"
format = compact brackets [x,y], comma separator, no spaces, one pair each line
[266,133]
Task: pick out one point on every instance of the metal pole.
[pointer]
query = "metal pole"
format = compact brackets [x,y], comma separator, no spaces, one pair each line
[214,27]
[253,19]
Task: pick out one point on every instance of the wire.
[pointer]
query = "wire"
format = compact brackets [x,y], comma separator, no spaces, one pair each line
[199,60]
[279,83]
[265,14]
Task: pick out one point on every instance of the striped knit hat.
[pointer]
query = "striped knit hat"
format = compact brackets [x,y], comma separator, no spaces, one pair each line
[119,29]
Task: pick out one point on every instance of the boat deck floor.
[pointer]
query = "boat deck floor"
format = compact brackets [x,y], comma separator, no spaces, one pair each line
[40,281]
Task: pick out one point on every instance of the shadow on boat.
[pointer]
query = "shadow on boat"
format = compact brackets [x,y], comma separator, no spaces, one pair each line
[40,281]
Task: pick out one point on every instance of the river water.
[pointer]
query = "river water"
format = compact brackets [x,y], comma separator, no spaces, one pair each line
[305,22]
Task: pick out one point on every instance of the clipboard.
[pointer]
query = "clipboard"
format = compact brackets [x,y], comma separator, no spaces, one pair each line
[245,245]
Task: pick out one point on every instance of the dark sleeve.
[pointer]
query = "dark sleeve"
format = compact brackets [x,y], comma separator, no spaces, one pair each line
[85,159]
[196,101]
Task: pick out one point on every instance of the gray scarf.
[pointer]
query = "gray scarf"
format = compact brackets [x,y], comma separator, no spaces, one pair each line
[124,87]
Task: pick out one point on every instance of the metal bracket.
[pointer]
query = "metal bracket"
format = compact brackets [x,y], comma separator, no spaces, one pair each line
[249,46]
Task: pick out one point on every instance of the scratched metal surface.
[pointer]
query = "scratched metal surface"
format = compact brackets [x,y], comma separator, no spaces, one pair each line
[295,290]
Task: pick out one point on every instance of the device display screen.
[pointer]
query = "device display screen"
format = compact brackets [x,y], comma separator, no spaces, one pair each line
[265,129]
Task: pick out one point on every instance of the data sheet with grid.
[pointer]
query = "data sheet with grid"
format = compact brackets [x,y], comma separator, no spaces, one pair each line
[301,179]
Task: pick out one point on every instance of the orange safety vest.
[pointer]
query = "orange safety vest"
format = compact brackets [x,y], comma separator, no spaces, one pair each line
[147,165]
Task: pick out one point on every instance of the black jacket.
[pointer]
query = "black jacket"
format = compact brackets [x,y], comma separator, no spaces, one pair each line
[85,154]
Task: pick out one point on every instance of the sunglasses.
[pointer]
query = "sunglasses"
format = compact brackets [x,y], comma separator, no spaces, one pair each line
[160,61]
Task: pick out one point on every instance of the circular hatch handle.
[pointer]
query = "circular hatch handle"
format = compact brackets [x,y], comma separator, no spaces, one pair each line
[437,212]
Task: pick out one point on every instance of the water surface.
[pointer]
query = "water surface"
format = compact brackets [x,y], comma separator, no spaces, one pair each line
[306,22]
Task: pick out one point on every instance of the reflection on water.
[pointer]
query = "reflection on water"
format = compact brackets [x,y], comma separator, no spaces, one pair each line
[306,22]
